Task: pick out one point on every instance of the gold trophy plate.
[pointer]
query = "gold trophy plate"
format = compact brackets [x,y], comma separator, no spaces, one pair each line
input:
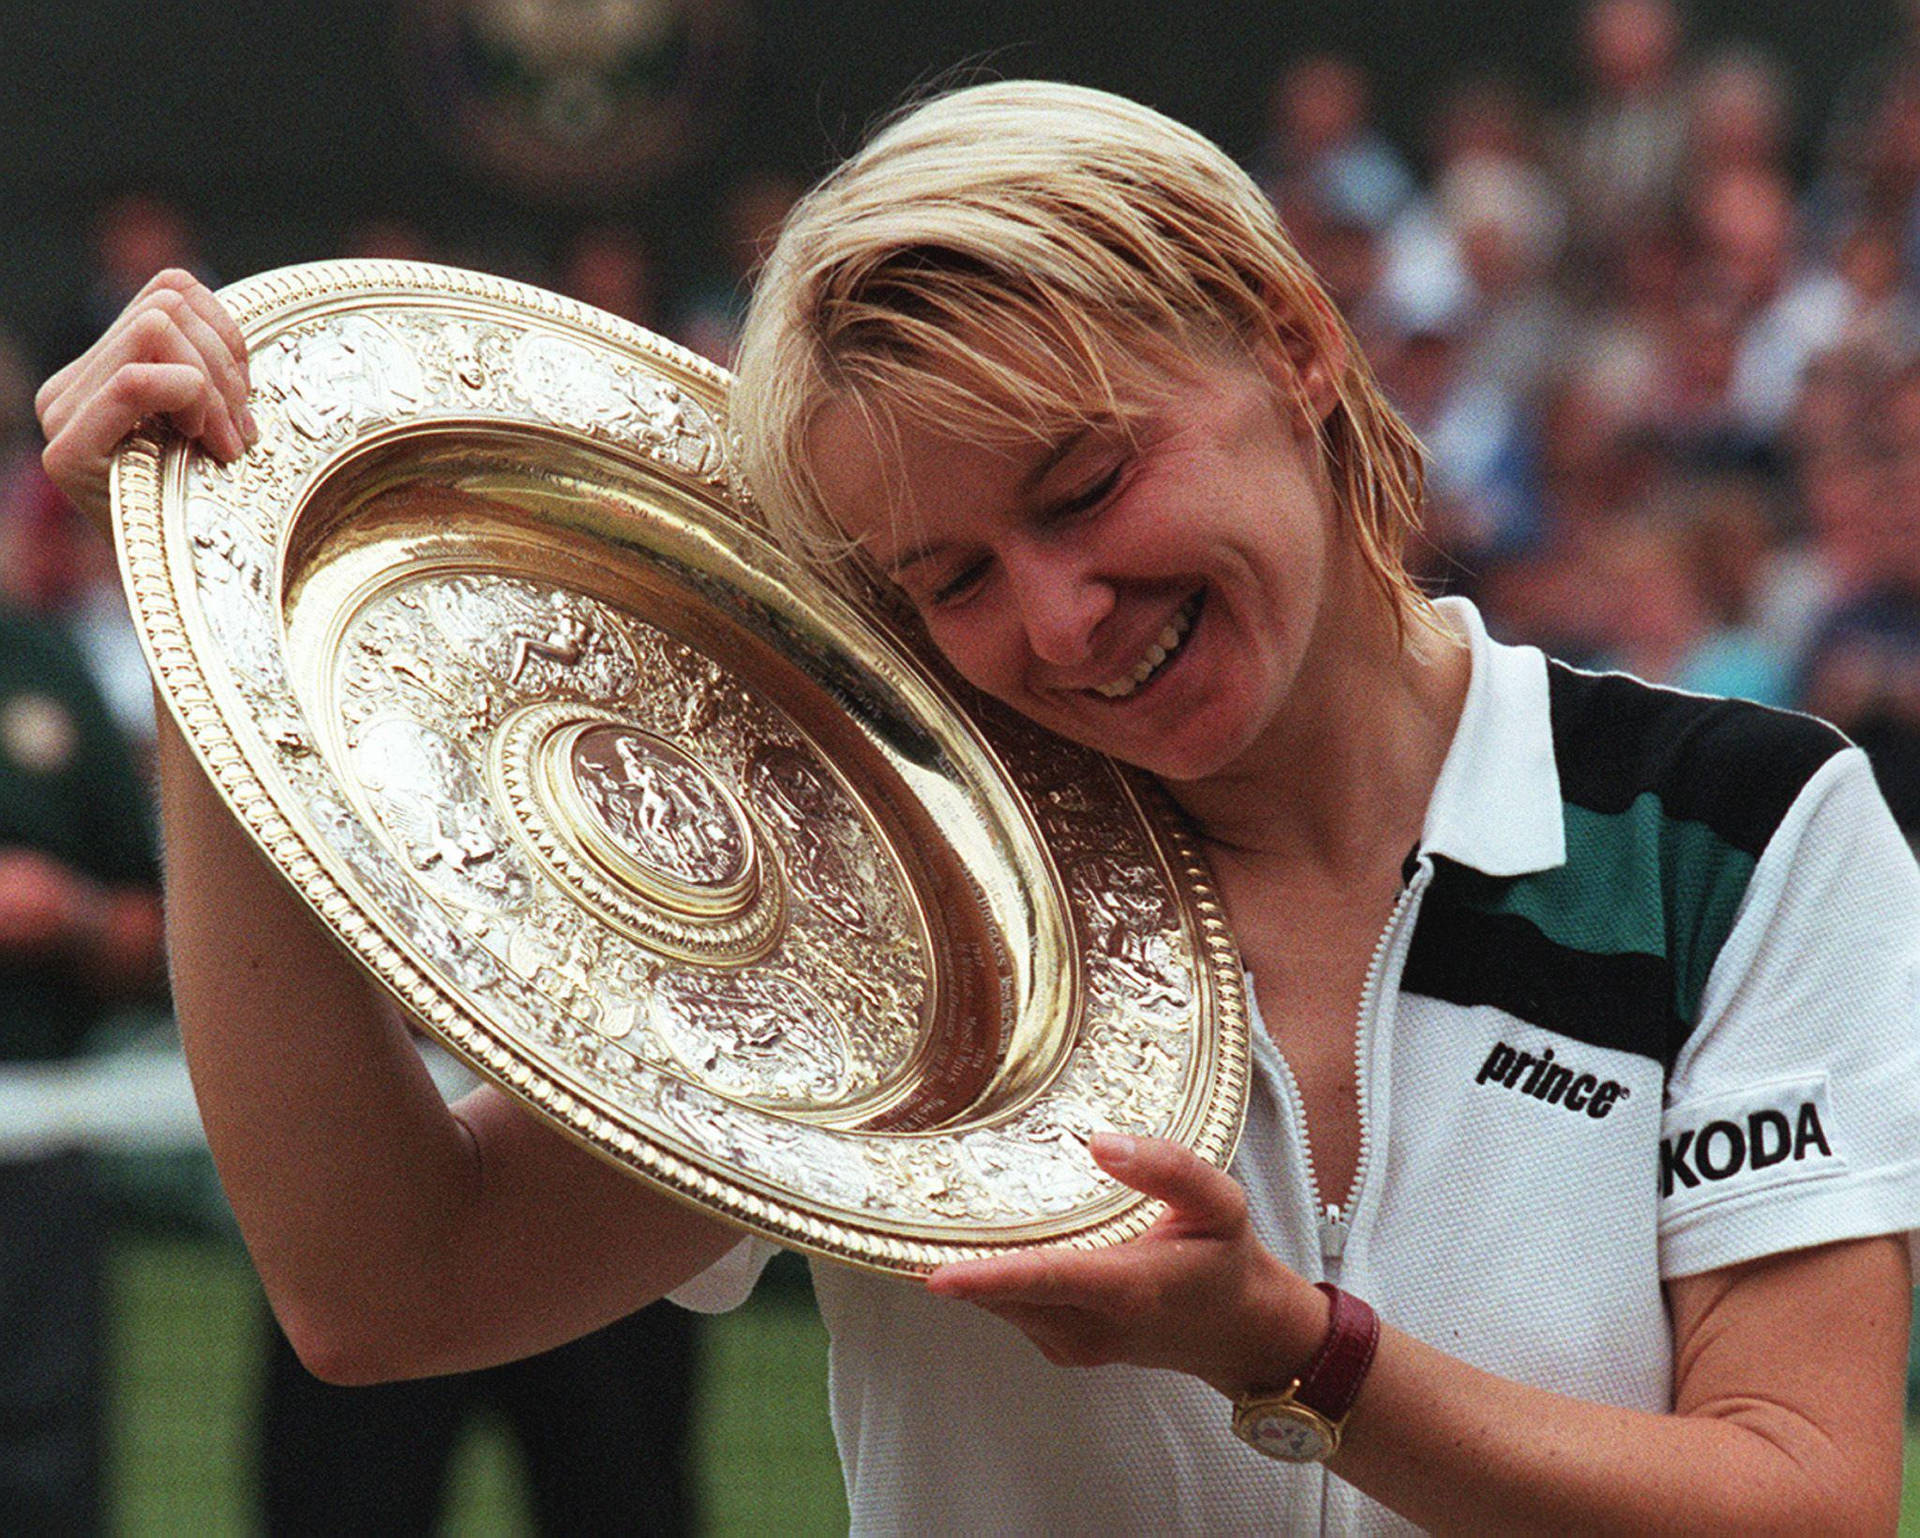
[722,873]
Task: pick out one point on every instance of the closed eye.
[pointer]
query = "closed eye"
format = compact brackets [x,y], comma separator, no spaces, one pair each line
[1087,500]
[960,584]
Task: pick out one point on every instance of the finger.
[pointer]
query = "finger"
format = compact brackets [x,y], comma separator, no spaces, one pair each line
[1053,1277]
[57,399]
[158,335]
[161,324]
[233,342]
[227,369]
[1192,1188]
[79,456]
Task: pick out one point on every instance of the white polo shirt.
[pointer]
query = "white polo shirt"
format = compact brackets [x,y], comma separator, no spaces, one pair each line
[1650,1006]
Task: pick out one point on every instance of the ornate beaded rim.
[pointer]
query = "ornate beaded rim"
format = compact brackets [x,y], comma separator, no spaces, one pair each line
[266,305]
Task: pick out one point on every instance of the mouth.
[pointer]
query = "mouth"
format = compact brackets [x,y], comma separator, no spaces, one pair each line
[1159,655]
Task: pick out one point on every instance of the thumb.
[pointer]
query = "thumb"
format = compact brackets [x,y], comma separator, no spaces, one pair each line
[1155,1167]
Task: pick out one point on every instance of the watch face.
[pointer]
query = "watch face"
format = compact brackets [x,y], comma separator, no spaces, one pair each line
[1292,1437]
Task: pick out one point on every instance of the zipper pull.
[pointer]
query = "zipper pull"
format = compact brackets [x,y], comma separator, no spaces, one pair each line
[1333,1232]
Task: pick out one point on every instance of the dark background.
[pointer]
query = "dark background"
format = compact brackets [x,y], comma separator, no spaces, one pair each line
[275,122]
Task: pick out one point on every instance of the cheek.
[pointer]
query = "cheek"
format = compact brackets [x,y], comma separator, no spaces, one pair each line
[978,651]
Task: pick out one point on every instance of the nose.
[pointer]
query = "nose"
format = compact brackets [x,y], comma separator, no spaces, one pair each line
[1061,603]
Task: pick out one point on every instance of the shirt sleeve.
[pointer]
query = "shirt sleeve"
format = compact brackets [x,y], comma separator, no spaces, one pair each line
[726,1284]
[1793,1111]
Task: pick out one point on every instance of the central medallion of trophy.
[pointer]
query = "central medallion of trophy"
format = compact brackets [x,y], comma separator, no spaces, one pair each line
[641,833]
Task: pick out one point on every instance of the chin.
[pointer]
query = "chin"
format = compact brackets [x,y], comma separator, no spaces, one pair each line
[1177,762]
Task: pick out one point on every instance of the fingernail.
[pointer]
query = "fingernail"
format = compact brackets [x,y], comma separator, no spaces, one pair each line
[248,426]
[1116,1147]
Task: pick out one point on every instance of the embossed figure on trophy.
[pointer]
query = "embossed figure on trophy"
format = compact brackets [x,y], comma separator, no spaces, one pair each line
[701,707]
[461,847]
[565,640]
[752,1034]
[680,813]
[479,712]
[803,808]
[1125,924]
[349,373]
[463,357]
[242,562]
[569,978]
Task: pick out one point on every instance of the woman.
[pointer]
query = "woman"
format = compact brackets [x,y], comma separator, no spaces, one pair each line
[1532,949]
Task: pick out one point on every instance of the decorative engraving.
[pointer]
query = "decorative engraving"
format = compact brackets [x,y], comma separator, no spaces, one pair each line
[755,1035]
[347,375]
[801,802]
[571,384]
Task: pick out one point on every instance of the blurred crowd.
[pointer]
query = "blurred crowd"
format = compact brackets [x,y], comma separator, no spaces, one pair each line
[1669,379]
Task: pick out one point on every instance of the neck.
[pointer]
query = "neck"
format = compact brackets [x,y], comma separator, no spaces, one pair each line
[1342,778]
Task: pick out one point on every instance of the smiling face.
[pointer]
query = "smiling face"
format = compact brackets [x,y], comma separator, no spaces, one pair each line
[1050,360]
[1154,591]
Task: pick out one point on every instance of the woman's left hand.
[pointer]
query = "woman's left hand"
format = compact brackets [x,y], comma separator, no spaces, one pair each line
[1197,1292]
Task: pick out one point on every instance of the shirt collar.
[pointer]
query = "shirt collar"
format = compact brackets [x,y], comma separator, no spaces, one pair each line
[1496,805]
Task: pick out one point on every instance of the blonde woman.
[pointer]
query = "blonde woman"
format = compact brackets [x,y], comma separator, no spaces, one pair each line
[1587,1050]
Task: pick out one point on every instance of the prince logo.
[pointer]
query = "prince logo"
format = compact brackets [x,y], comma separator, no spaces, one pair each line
[1541,1077]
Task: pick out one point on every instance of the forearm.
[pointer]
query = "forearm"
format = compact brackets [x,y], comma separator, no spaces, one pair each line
[313,1098]
[1788,1416]
[1458,1450]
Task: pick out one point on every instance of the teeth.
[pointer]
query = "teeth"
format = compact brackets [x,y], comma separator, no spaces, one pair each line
[1163,646]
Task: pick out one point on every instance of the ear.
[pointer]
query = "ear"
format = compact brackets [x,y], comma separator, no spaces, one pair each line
[1314,358]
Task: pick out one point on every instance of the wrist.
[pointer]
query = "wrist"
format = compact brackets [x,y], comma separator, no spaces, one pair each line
[1286,1321]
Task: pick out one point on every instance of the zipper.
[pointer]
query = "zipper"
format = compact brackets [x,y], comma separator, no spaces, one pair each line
[1335,1220]
[1334,1223]
[1333,1233]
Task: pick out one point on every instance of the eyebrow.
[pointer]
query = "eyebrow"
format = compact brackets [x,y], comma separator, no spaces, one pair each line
[1043,467]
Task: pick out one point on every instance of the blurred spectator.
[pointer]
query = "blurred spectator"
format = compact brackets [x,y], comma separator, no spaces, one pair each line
[1739,115]
[54,565]
[1855,299]
[751,213]
[79,930]
[1322,148]
[1863,669]
[1480,504]
[1592,459]
[603,1425]
[134,235]
[1662,622]
[1626,140]
[611,268]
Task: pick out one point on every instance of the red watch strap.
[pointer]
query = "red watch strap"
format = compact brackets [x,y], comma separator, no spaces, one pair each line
[1333,1378]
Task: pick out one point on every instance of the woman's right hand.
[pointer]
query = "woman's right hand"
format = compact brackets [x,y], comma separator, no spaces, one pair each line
[174,352]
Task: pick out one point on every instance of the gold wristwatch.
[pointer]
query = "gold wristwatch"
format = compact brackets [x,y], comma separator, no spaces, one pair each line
[1302,1423]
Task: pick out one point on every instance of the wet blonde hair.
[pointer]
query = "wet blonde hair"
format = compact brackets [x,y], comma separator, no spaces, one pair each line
[1011,259]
